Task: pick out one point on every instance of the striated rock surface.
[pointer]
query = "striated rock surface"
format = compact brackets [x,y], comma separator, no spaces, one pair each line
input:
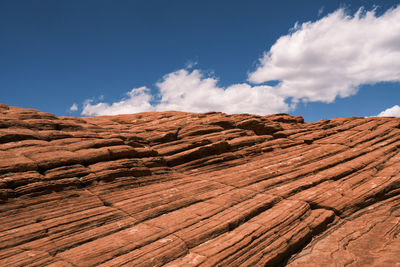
[185,189]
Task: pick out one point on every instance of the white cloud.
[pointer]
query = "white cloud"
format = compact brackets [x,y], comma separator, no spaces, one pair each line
[190,64]
[391,112]
[316,61]
[331,57]
[191,91]
[320,11]
[186,91]
[74,107]
[138,100]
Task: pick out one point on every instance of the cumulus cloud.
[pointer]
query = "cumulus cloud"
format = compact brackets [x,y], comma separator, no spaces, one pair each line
[192,91]
[137,100]
[74,107]
[391,112]
[333,56]
[316,61]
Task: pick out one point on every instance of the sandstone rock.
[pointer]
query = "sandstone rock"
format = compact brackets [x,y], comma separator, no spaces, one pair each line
[246,141]
[191,130]
[186,189]
[12,135]
[10,162]
[13,180]
[76,170]
[196,153]
[258,126]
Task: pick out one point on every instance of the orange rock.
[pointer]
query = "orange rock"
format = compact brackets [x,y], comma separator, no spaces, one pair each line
[185,189]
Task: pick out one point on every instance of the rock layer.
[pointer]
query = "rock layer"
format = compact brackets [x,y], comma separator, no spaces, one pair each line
[185,189]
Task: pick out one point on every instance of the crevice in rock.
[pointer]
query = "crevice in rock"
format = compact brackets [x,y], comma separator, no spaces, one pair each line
[315,206]
[109,204]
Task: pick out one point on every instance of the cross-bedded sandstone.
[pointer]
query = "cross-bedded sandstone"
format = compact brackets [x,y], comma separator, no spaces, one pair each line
[186,189]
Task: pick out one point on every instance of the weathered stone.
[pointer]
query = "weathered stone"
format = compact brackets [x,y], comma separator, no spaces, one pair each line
[13,180]
[69,171]
[259,127]
[186,189]
[10,162]
[191,130]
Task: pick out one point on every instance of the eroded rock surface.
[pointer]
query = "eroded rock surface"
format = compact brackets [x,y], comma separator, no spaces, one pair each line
[185,189]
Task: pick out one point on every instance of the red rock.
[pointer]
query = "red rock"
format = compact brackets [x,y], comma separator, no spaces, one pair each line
[362,239]
[48,186]
[69,171]
[246,141]
[10,162]
[12,135]
[53,159]
[92,155]
[259,127]
[283,117]
[13,180]
[196,153]
[191,130]
[186,189]
[75,144]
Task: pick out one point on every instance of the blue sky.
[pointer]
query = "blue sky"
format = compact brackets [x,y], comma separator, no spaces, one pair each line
[110,57]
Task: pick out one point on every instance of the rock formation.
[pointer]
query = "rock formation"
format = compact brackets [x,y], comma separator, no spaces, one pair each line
[186,189]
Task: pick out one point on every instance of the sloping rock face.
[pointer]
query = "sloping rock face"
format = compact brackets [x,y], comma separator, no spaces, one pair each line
[184,189]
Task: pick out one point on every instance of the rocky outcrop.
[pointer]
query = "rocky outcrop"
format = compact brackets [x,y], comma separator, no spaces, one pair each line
[185,189]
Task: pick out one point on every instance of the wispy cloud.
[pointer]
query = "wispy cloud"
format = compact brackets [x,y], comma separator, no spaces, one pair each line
[74,107]
[320,11]
[190,64]
[391,112]
[333,56]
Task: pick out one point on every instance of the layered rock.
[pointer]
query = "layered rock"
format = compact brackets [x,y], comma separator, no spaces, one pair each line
[186,189]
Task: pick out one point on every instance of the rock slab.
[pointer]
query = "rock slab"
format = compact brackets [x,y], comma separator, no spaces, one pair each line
[186,189]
